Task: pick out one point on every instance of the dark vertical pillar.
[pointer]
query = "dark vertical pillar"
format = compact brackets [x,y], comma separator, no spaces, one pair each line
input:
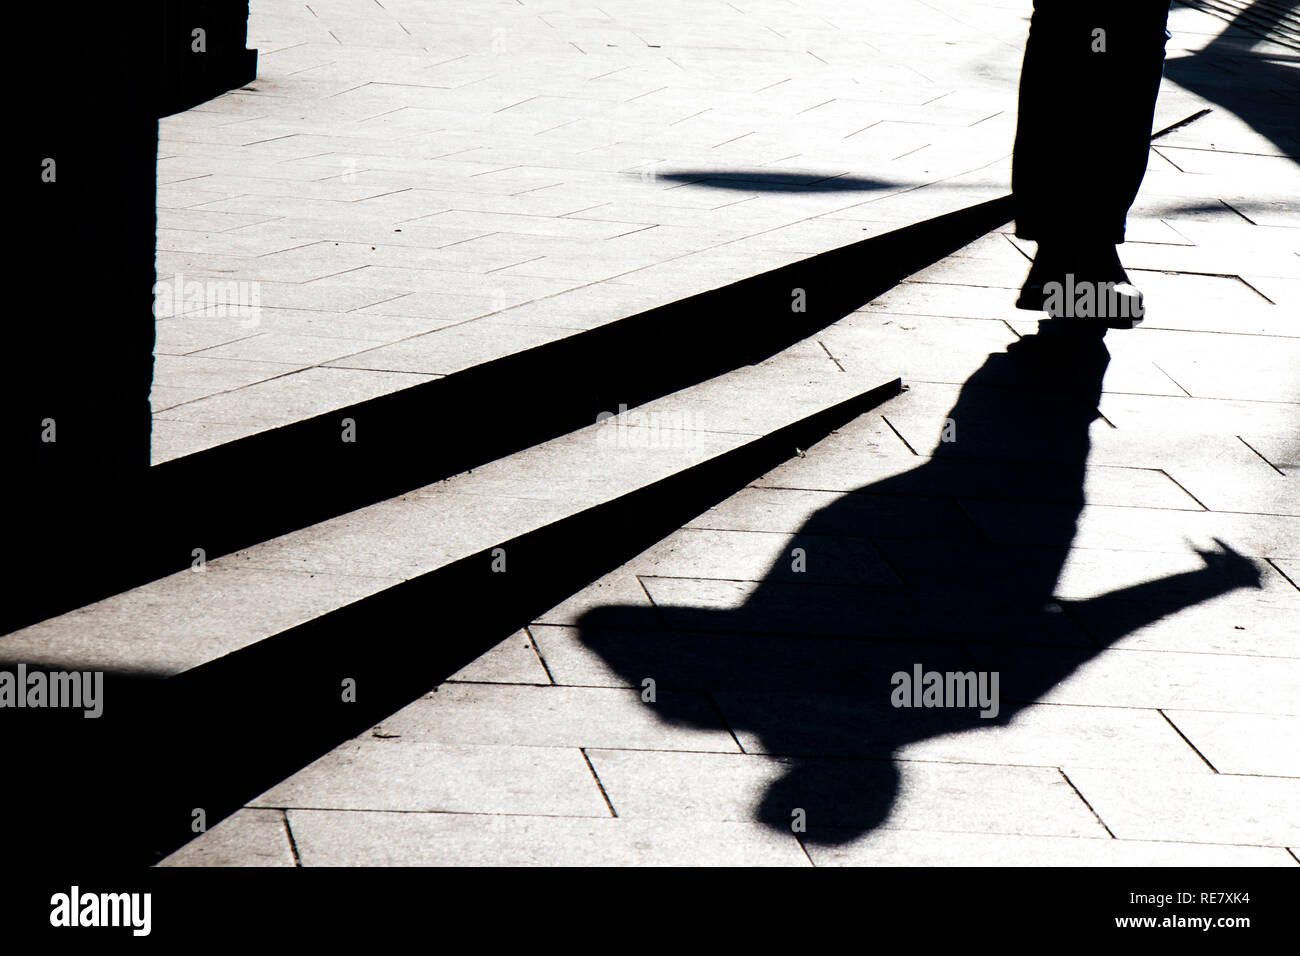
[80,339]
[80,164]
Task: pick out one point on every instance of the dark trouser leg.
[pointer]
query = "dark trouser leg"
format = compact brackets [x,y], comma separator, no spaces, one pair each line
[1088,90]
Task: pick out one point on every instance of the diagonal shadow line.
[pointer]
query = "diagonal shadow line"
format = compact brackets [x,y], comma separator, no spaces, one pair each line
[757,180]
[266,485]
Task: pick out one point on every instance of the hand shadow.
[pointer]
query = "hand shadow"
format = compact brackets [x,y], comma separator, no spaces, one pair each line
[906,576]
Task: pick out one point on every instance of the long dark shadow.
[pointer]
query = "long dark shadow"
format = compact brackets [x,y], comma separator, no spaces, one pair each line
[277,481]
[949,566]
[763,180]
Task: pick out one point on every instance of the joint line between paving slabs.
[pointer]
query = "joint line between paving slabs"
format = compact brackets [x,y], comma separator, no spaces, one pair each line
[1252,288]
[905,442]
[288,832]
[659,614]
[1012,243]
[1261,457]
[811,861]
[1167,159]
[1184,489]
[1066,778]
[1290,580]
[723,720]
[830,356]
[1198,753]
[880,553]
[595,776]
[1238,212]
[1172,379]
[532,641]
[1068,612]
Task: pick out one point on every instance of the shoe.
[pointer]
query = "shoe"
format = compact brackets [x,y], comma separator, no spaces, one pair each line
[1084,283]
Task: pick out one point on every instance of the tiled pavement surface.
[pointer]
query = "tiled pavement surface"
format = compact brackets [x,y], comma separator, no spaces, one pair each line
[1170,740]
[411,188]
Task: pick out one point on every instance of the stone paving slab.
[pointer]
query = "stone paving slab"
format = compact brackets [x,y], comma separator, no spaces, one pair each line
[754,556]
[1243,743]
[183,620]
[1249,484]
[1133,530]
[791,510]
[382,774]
[335,838]
[310,392]
[1223,626]
[831,725]
[1197,415]
[991,480]
[245,838]
[941,348]
[513,661]
[623,594]
[963,797]
[1128,678]
[1217,808]
[557,717]
[1094,573]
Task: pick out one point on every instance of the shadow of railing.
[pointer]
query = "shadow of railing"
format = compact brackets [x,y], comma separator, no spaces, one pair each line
[1262,93]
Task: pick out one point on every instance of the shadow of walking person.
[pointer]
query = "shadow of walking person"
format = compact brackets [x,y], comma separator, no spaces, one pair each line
[906,577]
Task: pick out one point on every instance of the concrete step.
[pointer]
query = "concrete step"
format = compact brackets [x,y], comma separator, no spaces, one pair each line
[247,491]
[394,597]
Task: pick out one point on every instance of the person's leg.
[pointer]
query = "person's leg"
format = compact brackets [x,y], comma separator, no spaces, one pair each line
[1087,100]
[1088,90]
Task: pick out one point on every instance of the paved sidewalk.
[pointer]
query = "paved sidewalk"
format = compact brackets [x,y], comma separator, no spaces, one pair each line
[1162,726]
[410,189]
